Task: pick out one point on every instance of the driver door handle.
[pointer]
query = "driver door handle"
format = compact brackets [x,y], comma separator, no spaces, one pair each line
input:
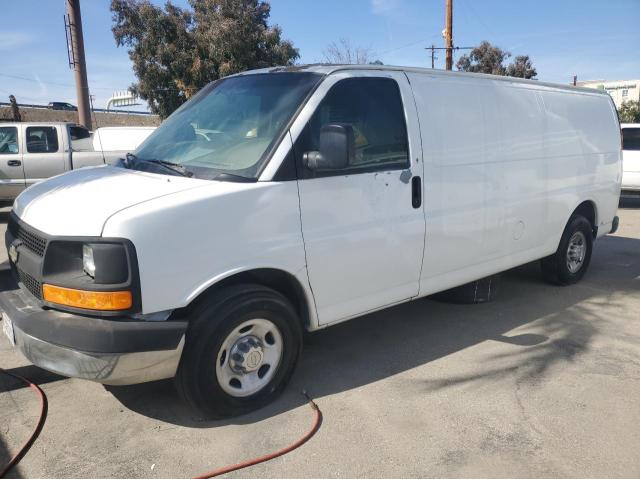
[14,162]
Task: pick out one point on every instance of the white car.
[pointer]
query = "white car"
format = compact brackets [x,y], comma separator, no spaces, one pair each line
[631,159]
[319,194]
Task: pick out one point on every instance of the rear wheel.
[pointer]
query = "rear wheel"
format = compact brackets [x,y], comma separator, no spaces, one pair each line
[571,261]
[241,349]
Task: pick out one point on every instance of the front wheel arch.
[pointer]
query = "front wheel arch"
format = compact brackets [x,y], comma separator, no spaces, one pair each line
[279,280]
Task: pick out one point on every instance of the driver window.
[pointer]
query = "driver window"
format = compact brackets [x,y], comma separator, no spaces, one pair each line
[8,140]
[373,107]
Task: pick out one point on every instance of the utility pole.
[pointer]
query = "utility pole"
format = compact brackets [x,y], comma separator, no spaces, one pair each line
[448,34]
[77,62]
[433,55]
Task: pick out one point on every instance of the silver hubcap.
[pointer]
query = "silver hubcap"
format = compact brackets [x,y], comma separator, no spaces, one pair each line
[576,251]
[249,357]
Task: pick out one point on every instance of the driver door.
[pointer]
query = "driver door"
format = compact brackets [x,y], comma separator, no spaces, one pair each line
[11,168]
[363,225]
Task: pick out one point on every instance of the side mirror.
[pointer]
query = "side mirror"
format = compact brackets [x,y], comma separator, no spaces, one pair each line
[337,147]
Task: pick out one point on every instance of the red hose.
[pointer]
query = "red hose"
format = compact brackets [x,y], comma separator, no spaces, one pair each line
[217,472]
[252,462]
[36,432]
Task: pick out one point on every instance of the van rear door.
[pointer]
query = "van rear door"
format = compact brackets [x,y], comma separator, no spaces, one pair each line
[11,167]
[363,224]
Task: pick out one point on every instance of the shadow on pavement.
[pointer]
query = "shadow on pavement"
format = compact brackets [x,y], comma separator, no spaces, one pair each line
[32,373]
[389,342]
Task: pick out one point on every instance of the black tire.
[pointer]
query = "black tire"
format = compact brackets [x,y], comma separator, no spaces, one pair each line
[210,324]
[555,268]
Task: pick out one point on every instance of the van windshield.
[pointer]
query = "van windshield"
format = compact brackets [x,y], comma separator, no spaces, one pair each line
[229,127]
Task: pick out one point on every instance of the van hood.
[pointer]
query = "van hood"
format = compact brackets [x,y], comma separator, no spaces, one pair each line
[79,202]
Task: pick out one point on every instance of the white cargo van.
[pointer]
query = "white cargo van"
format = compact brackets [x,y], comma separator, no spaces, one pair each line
[290,199]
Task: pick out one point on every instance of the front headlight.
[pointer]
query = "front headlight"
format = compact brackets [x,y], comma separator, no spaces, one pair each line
[95,274]
[88,263]
[106,263]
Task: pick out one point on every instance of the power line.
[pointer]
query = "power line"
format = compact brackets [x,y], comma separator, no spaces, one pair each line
[382,52]
[21,97]
[16,77]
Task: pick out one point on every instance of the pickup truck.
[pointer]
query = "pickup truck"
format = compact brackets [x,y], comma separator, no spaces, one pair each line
[32,152]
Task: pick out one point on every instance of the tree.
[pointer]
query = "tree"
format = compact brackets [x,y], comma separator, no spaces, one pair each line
[487,58]
[629,112]
[521,68]
[343,53]
[177,51]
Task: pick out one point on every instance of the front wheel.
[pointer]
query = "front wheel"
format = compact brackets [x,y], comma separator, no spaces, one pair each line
[571,260]
[240,351]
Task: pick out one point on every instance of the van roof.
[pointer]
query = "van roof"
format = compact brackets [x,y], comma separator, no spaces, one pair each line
[328,69]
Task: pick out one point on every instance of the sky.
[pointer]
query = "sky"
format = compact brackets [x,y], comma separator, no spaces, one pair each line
[588,38]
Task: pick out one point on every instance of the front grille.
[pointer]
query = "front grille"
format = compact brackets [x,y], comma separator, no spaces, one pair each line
[30,240]
[29,282]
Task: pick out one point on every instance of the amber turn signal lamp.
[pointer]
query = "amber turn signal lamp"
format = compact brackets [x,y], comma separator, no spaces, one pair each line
[96,300]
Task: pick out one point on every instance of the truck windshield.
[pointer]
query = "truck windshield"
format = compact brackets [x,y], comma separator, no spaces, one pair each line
[228,128]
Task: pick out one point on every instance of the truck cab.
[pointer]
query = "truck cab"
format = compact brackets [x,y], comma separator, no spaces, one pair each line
[32,152]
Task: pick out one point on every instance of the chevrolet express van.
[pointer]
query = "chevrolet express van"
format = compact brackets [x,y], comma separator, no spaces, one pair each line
[290,199]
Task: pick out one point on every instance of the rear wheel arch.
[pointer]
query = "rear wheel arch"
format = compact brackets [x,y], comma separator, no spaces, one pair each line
[589,210]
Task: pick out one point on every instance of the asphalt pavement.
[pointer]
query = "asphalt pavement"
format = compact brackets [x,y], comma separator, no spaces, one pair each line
[542,382]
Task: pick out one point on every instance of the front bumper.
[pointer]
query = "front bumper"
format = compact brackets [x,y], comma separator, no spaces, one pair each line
[110,351]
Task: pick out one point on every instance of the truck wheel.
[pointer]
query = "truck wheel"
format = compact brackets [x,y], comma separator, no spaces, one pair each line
[570,262]
[240,351]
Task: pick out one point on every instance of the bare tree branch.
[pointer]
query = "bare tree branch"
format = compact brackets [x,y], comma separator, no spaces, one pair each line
[343,53]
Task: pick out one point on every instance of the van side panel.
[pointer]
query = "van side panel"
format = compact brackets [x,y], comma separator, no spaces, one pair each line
[463,180]
[505,166]
[525,169]
[583,150]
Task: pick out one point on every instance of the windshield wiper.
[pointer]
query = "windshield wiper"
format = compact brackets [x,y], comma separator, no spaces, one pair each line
[177,168]
[234,178]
